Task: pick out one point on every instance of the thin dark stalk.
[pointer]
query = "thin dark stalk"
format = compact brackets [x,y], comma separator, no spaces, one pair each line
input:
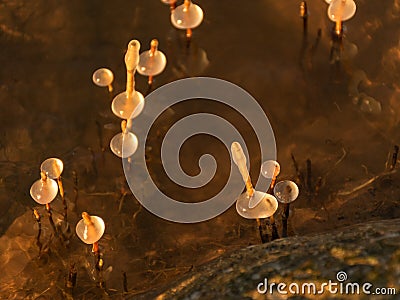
[38,220]
[99,264]
[285,217]
[71,280]
[299,174]
[275,234]
[262,231]
[64,202]
[394,157]
[125,282]
[50,215]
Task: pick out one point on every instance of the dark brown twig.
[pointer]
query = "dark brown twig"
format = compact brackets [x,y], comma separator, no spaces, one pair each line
[38,220]
[125,282]
[394,157]
[50,215]
[274,229]
[285,217]
[71,280]
[64,202]
[299,174]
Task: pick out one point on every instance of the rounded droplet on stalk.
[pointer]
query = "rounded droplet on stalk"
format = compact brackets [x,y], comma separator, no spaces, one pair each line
[341,10]
[187,16]
[286,191]
[126,107]
[270,169]
[264,209]
[44,190]
[103,77]
[90,228]
[53,167]
[153,61]
[124,144]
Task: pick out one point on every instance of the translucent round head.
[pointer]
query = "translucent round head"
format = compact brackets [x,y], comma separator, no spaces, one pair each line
[270,169]
[341,10]
[52,167]
[187,15]
[152,62]
[132,55]
[286,191]
[127,107]
[90,228]
[103,77]
[264,209]
[124,144]
[44,190]
[328,1]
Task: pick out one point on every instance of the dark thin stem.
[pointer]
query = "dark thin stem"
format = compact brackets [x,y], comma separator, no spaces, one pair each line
[262,231]
[189,34]
[50,215]
[125,282]
[38,220]
[394,157]
[94,165]
[99,264]
[275,234]
[299,174]
[64,202]
[71,280]
[285,216]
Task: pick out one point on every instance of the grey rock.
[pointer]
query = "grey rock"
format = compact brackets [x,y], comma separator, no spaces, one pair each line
[366,253]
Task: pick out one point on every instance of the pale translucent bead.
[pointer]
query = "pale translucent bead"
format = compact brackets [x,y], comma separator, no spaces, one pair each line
[183,18]
[52,167]
[91,233]
[127,108]
[151,64]
[270,169]
[264,209]
[124,144]
[341,10]
[286,191]
[43,191]
[103,77]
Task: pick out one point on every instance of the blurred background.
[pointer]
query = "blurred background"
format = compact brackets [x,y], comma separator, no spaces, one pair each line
[339,112]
